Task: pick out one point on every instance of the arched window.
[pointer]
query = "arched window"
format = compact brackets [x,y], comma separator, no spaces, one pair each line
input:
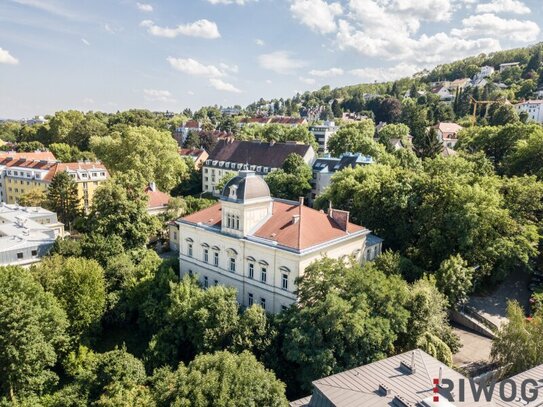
[229,221]
[237,222]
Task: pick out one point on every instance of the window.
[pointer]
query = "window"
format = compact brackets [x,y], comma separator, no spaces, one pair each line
[232,265]
[251,270]
[284,307]
[206,255]
[237,222]
[251,299]
[20,255]
[216,282]
[263,274]
[190,272]
[216,259]
[229,221]
[174,235]
[190,250]
[284,281]
[34,252]
[206,283]
[263,303]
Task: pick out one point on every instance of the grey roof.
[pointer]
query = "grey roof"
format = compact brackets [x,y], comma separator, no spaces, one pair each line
[256,153]
[372,240]
[332,164]
[245,186]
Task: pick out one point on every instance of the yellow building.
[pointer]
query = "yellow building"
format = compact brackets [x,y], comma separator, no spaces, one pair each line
[20,173]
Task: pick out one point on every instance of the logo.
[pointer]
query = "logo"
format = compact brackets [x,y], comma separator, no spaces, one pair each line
[508,390]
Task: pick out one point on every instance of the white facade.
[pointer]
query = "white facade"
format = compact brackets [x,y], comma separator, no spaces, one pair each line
[534,109]
[262,269]
[26,234]
[323,133]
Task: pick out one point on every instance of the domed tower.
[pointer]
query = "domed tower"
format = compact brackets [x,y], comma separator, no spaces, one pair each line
[246,203]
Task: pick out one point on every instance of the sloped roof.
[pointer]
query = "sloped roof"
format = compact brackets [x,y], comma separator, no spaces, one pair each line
[446,127]
[256,153]
[35,155]
[313,227]
[74,167]
[157,199]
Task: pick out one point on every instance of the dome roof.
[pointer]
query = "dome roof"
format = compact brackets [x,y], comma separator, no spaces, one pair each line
[245,186]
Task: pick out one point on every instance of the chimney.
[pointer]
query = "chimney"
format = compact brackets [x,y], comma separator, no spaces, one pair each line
[301,200]
[152,186]
[340,217]
[295,219]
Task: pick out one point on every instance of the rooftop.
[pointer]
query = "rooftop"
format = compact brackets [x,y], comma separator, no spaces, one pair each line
[291,225]
[256,152]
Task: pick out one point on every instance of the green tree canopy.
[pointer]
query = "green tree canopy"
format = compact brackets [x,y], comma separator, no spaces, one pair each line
[63,198]
[150,153]
[292,180]
[353,138]
[32,333]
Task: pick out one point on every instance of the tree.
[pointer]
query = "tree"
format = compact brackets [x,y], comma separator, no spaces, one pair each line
[351,138]
[34,197]
[503,114]
[292,181]
[340,322]
[63,198]
[192,185]
[526,157]
[61,151]
[79,286]
[32,333]
[336,109]
[517,346]
[219,379]
[150,153]
[428,146]
[455,279]
[393,131]
[119,208]
[389,111]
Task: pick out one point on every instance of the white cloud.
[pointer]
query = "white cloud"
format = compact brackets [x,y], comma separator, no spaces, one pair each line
[493,26]
[192,67]
[201,28]
[503,6]
[190,93]
[280,62]
[268,81]
[384,74]
[259,42]
[327,73]
[219,84]
[146,8]
[84,41]
[49,7]
[238,2]
[308,81]
[156,95]
[229,68]
[7,58]
[430,10]
[317,14]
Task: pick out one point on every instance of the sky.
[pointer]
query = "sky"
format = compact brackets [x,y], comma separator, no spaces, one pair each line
[112,55]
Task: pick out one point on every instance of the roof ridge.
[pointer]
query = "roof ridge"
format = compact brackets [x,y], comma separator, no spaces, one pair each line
[300,225]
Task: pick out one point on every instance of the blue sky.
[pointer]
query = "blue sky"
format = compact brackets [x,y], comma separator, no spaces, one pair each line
[113,55]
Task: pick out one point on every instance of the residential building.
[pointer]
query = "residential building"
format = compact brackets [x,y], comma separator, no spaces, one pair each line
[443,93]
[231,111]
[254,121]
[263,158]
[26,233]
[459,84]
[260,245]
[199,155]
[414,379]
[322,133]
[19,175]
[484,72]
[157,202]
[447,133]
[534,109]
[261,121]
[325,167]
[181,133]
[508,65]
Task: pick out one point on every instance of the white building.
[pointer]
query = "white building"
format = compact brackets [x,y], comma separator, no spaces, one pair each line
[323,133]
[260,157]
[26,234]
[508,65]
[325,167]
[260,245]
[447,133]
[534,109]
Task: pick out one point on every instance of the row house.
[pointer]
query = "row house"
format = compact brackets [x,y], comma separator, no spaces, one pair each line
[260,157]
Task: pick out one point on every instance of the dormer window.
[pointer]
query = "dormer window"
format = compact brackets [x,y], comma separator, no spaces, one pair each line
[234,192]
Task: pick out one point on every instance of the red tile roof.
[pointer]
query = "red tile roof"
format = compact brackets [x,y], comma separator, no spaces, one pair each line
[313,227]
[157,199]
[192,124]
[190,152]
[36,155]
[449,128]
[59,167]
